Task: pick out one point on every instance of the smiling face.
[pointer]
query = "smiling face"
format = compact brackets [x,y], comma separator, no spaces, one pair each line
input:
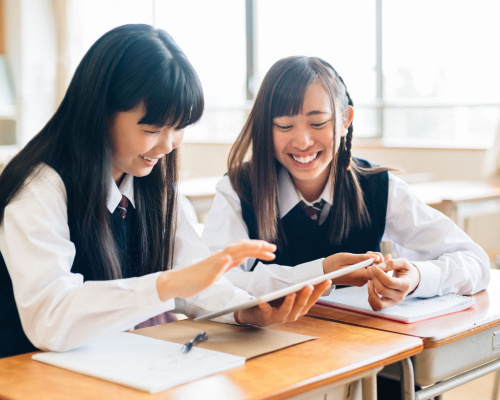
[304,143]
[136,147]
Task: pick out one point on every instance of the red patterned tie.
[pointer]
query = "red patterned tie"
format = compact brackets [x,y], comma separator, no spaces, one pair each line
[122,207]
[313,211]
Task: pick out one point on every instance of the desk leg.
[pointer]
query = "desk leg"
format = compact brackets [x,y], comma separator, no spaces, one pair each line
[407,380]
[369,387]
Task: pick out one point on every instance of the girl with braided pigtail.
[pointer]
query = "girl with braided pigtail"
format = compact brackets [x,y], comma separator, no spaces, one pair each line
[292,181]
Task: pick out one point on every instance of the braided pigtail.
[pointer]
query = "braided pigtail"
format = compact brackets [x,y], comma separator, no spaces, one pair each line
[346,141]
[348,145]
[349,210]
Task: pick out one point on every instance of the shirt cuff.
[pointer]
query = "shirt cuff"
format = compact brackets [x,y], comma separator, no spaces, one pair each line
[430,277]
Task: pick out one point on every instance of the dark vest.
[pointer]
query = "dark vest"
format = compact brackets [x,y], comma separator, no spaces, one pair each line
[301,239]
[13,341]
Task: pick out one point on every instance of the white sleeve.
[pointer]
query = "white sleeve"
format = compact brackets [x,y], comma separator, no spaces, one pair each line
[188,246]
[448,260]
[58,310]
[188,249]
[225,225]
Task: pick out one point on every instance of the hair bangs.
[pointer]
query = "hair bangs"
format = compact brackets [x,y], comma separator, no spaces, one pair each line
[173,99]
[290,90]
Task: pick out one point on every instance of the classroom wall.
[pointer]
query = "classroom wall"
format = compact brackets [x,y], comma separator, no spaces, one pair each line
[209,159]
[199,160]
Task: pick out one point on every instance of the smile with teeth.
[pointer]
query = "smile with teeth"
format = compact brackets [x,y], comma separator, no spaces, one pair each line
[147,158]
[305,159]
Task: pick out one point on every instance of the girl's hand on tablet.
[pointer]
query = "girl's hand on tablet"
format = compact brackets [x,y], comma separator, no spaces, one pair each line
[341,260]
[293,306]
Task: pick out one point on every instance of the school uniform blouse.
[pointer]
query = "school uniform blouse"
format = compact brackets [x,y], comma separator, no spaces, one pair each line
[58,310]
[447,259]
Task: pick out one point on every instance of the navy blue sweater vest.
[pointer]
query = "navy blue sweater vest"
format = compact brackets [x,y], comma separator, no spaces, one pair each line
[13,341]
[301,239]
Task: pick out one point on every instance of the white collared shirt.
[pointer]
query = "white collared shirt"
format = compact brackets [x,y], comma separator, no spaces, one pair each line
[58,310]
[448,260]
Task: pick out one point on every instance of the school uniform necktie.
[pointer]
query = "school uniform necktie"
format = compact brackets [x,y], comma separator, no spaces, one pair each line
[122,207]
[313,211]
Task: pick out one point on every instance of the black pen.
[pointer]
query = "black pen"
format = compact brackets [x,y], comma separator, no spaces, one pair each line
[200,337]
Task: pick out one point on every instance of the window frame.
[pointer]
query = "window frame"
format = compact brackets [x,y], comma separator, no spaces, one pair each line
[380,105]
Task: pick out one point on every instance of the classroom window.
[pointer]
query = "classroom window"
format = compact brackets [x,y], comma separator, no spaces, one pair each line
[421,73]
[440,71]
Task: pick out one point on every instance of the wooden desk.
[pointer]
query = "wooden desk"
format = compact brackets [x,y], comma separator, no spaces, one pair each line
[460,200]
[344,358]
[453,343]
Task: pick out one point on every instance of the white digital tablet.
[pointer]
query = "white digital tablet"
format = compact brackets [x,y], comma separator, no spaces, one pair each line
[283,292]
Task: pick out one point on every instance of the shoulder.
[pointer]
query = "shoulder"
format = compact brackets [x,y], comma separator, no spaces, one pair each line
[371,173]
[399,188]
[240,182]
[367,165]
[42,182]
[224,185]
[363,163]
[41,203]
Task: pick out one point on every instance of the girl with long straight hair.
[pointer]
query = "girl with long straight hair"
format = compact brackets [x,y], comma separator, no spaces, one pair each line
[90,228]
[292,181]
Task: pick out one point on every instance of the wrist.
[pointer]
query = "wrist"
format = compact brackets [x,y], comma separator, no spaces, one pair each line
[164,286]
[418,279]
[324,263]
[237,317]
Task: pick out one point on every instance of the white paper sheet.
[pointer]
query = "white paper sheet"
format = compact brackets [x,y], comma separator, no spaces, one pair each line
[141,362]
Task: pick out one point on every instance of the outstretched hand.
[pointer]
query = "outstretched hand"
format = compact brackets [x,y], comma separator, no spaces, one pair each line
[341,260]
[189,280]
[385,290]
[293,306]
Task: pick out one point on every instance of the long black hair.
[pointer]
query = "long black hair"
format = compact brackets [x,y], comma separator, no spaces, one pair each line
[282,93]
[129,65]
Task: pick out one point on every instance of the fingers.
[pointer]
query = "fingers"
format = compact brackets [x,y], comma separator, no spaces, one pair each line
[377,257]
[373,298]
[293,306]
[338,261]
[343,259]
[318,291]
[378,302]
[243,249]
[388,287]
[397,264]
[271,315]
[384,282]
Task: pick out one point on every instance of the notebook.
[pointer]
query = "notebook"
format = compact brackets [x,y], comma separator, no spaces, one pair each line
[141,362]
[283,292]
[412,309]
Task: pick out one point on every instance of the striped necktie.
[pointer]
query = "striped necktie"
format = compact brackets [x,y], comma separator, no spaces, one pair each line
[122,207]
[313,211]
